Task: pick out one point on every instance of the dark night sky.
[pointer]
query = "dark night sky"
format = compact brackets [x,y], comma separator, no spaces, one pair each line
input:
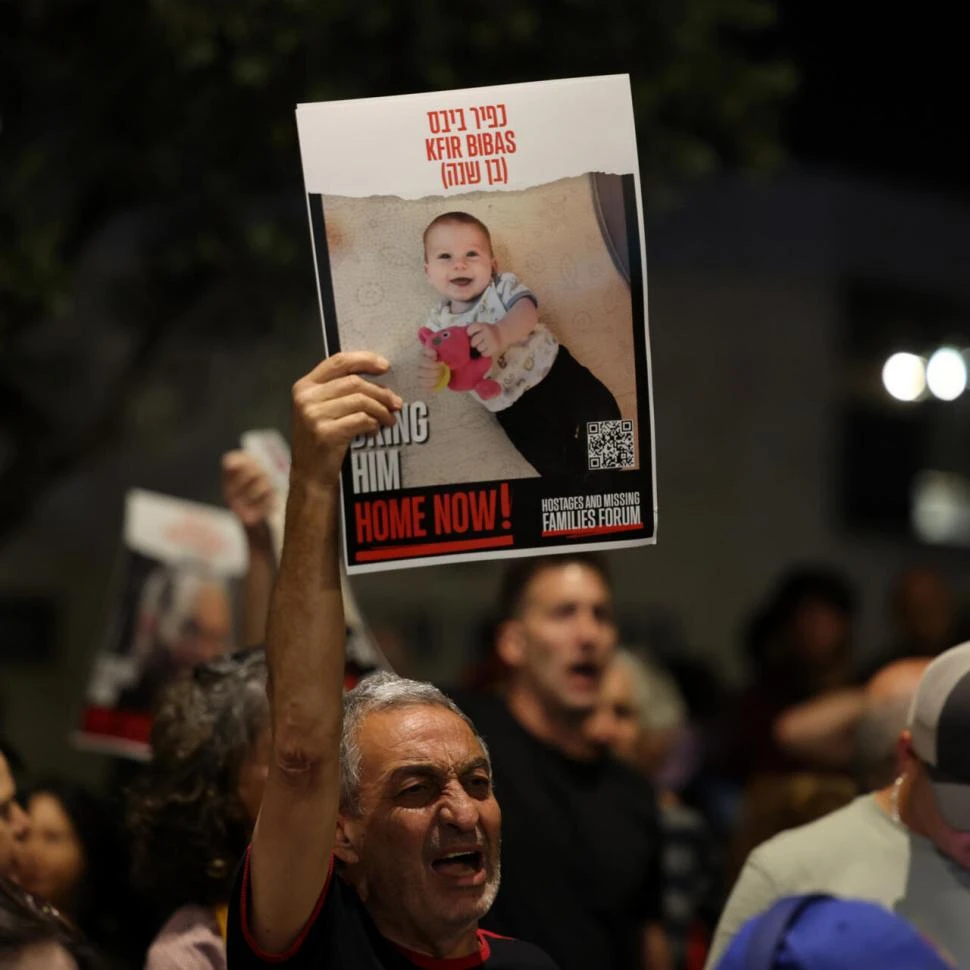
[882,93]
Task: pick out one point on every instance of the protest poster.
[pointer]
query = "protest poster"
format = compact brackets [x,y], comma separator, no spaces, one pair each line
[489,243]
[174,608]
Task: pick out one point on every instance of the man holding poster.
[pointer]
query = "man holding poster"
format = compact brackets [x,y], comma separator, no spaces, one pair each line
[378,837]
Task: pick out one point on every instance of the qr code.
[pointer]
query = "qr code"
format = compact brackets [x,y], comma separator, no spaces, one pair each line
[609,444]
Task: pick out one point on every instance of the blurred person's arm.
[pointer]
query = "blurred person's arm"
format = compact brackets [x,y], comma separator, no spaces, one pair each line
[249,494]
[822,730]
[656,948]
[753,893]
[290,856]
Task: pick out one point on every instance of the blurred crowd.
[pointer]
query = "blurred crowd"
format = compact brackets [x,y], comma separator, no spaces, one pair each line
[642,799]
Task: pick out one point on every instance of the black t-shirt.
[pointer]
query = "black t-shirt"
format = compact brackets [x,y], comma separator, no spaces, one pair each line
[341,935]
[581,847]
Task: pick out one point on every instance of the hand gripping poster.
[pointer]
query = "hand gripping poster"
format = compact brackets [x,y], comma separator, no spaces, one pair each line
[489,243]
[176,599]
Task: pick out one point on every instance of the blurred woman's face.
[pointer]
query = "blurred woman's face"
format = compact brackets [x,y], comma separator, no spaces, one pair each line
[53,858]
[615,722]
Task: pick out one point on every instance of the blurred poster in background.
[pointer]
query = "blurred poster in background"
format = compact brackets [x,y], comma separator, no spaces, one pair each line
[173,607]
[175,603]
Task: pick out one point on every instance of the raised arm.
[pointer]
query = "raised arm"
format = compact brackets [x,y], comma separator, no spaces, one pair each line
[249,493]
[822,730]
[294,835]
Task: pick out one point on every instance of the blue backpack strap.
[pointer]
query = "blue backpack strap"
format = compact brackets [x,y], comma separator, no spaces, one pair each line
[772,927]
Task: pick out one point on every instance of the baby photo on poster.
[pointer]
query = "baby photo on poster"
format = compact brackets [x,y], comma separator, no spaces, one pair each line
[508,323]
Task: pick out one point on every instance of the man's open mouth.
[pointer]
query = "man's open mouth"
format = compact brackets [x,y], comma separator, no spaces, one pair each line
[585,671]
[459,863]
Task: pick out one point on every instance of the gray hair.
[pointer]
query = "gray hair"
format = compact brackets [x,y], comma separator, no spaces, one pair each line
[187,821]
[660,704]
[383,691]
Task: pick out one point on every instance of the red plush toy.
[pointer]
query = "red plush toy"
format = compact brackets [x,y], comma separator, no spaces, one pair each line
[464,367]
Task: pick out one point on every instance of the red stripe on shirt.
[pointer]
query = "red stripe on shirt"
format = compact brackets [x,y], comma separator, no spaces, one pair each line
[294,947]
[452,963]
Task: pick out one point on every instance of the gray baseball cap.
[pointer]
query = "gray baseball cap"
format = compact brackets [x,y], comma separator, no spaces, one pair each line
[939,721]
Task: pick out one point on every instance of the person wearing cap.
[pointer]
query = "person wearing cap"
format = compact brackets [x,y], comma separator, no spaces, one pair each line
[905,846]
[818,932]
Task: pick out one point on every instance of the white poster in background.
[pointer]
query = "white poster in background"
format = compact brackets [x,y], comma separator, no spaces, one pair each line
[175,603]
[174,607]
[537,434]
[272,451]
